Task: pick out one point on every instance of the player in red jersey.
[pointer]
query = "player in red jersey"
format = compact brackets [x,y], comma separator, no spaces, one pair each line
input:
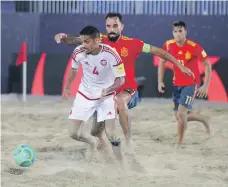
[188,53]
[128,49]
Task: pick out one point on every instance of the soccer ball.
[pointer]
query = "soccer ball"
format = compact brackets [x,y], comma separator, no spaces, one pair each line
[24,155]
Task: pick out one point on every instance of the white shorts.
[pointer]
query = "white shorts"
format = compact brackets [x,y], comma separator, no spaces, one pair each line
[84,107]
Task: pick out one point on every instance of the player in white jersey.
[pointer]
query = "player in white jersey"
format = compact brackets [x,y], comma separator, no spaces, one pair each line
[103,73]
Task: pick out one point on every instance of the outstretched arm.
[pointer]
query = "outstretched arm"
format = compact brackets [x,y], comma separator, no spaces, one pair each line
[161,53]
[166,56]
[67,39]
[71,40]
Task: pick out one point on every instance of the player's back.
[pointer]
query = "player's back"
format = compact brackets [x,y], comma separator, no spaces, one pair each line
[97,70]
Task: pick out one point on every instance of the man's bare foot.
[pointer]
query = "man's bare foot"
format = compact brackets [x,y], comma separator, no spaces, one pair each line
[129,146]
[179,146]
[136,165]
[93,150]
[123,164]
[105,149]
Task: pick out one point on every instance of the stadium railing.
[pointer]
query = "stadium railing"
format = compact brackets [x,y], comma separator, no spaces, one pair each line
[153,7]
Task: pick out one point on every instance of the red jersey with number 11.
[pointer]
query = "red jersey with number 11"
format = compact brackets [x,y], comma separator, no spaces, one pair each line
[189,54]
[129,49]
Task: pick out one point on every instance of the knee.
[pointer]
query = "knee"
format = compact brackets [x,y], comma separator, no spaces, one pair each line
[75,130]
[176,116]
[76,133]
[121,103]
[98,130]
[181,116]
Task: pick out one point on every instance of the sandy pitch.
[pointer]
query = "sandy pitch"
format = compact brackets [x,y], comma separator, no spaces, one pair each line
[42,123]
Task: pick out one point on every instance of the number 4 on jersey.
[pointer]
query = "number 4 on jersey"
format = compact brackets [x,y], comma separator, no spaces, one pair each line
[95,71]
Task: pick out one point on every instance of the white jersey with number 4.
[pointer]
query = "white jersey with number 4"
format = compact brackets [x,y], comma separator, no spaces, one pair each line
[99,71]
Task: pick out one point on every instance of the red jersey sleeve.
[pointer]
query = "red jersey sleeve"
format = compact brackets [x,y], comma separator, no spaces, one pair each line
[138,45]
[200,53]
[165,46]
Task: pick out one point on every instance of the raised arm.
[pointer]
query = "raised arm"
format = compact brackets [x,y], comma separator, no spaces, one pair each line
[67,39]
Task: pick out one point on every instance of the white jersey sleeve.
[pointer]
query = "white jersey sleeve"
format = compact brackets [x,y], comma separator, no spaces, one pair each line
[117,65]
[76,57]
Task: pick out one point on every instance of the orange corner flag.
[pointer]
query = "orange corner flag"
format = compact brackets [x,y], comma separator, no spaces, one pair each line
[22,55]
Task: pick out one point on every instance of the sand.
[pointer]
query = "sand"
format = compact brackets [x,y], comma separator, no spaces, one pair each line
[42,123]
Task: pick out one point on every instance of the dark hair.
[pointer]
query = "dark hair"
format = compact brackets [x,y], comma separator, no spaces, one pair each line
[179,24]
[91,31]
[114,14]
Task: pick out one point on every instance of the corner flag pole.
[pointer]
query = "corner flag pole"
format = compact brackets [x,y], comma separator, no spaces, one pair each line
[22,59]
[24,89]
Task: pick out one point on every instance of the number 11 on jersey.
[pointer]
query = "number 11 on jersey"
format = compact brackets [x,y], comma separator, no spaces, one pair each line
[95,71]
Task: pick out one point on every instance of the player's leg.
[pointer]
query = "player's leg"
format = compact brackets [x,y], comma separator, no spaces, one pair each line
[80,112]
[187,96]
[107,112]
[122,100]
[98,130]
[180,113]
[110,129]
[193,116]
[78,131]
[176,98]
[182,122]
